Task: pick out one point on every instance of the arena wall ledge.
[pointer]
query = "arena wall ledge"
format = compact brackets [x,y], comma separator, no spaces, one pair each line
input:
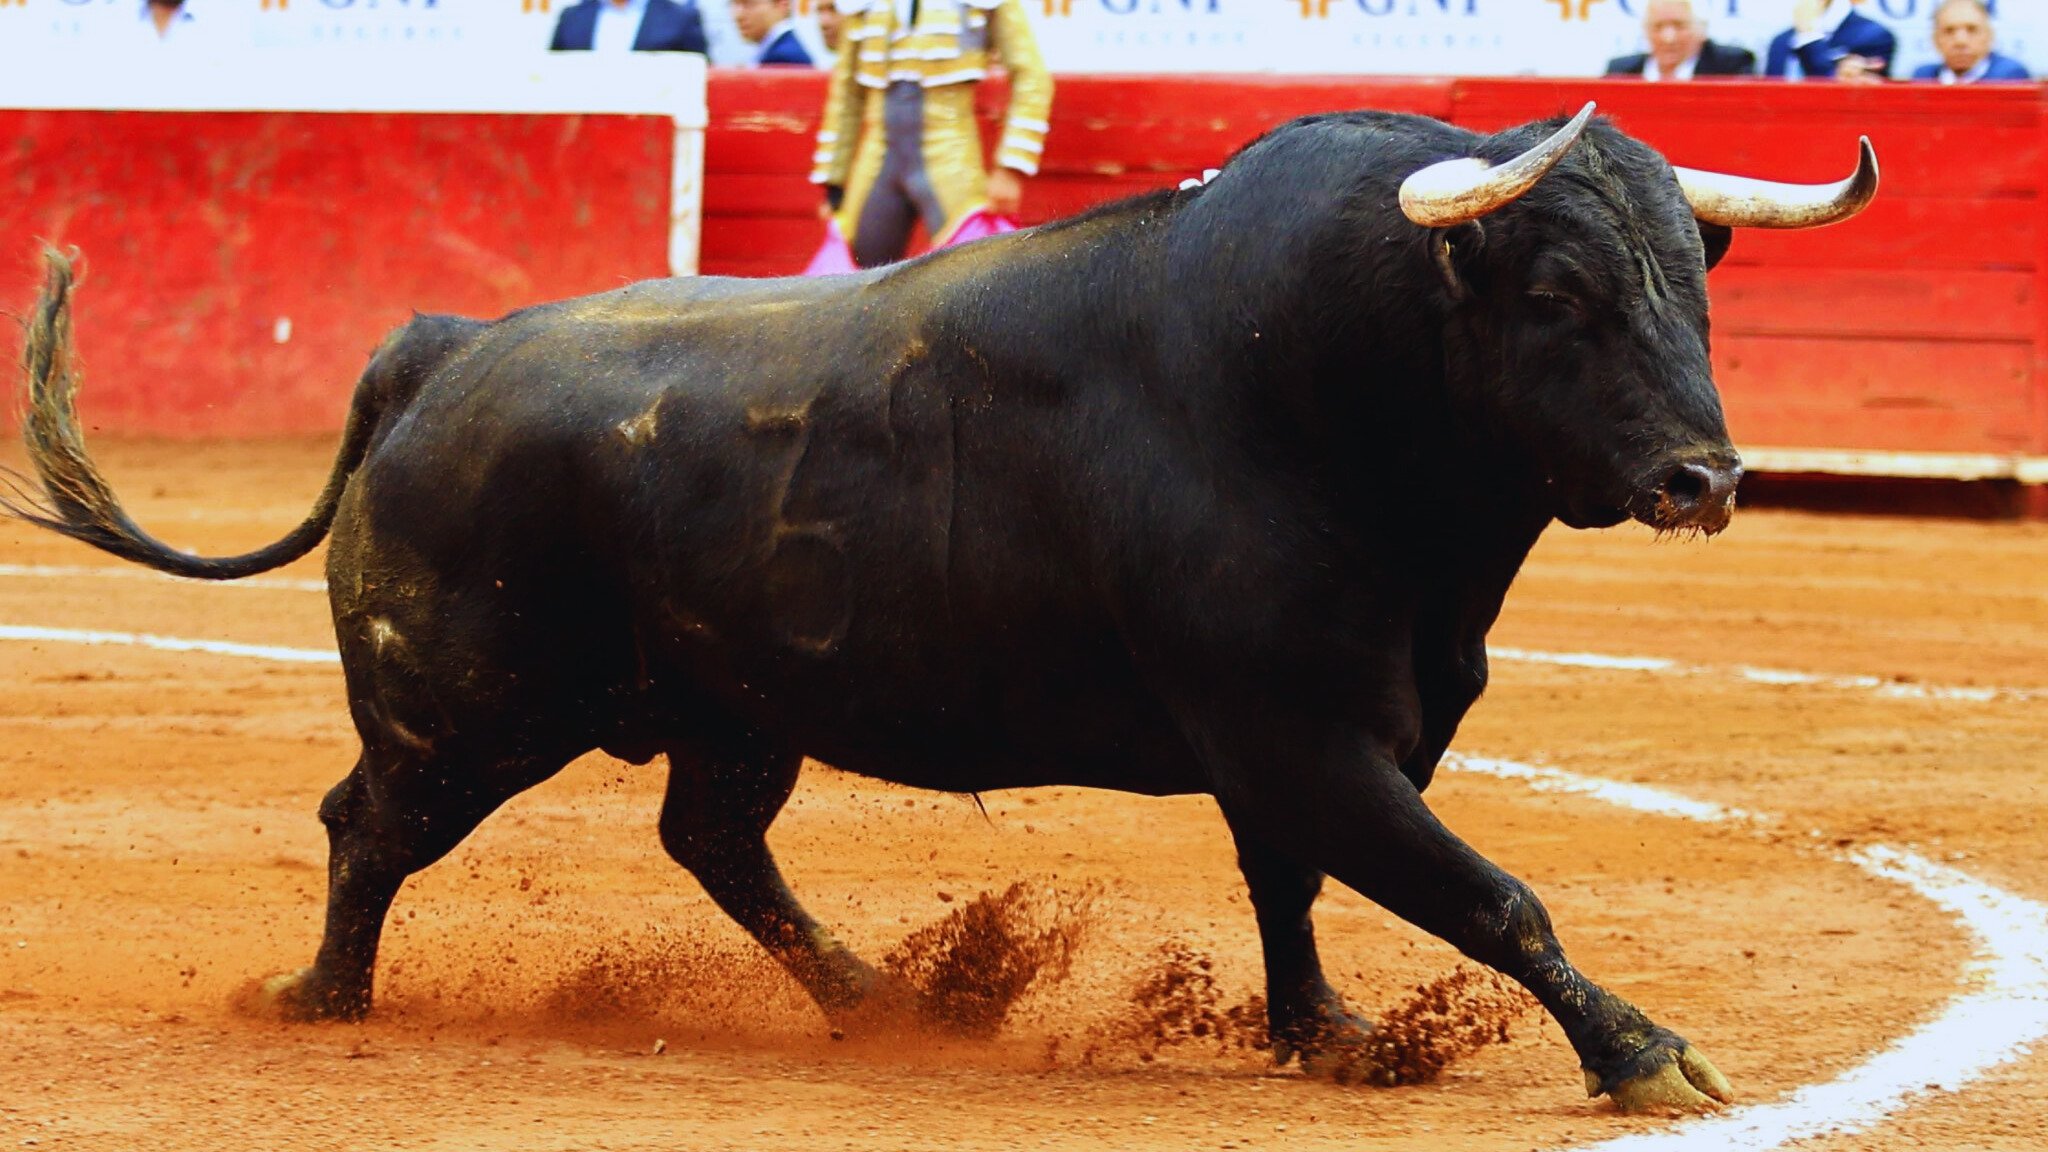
[244,264]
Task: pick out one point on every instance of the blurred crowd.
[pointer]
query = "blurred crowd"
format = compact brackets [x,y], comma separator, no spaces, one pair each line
[737,33]
[1826,39]
[1823,40]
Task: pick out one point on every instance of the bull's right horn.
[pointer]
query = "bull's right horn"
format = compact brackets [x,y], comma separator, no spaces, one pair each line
[1739,202]
[1454,191]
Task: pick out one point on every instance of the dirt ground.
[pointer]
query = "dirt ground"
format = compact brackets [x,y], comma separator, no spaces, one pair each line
[558,983]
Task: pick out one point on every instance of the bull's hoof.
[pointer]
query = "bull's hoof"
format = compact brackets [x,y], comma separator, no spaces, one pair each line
[1332,1043]
[886,1005]
[302,997]
[1680,1080]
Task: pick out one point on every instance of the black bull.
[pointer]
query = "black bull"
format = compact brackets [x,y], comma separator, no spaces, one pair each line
[1212,491]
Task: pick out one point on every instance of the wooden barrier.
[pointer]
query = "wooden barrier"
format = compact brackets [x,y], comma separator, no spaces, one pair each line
[1913,341]
[254,227]
[241,266]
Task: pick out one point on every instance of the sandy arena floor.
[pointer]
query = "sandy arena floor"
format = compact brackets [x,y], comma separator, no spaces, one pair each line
[158,849]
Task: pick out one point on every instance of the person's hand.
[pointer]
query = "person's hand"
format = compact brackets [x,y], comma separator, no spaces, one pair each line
[1854,69]
[1005,192]
[1806,16]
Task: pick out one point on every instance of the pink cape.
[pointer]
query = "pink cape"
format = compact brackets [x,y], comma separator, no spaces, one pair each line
[835,256]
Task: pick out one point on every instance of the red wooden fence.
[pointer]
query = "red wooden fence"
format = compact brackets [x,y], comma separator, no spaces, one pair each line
[240,266]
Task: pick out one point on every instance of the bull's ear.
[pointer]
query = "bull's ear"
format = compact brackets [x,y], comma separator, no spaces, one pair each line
[1456,250]
[1716,239]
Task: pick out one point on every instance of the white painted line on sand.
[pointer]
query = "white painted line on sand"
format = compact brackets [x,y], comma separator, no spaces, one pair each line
[1887,689]
[1640,797]
[169,644]
[1584,660]
[101,572]
[1998,1022]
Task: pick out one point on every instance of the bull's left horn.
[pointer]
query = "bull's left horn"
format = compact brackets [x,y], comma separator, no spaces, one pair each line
[1454,191]
[1739,202]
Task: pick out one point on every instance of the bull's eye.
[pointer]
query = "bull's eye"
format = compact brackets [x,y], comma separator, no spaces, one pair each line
[1555,306]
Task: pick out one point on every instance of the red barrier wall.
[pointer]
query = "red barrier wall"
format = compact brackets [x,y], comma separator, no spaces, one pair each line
[242,266]
[1919,327]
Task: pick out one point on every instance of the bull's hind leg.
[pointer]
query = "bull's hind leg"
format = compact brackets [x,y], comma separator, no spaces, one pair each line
[714,822]
[389,818]
[1304,1015]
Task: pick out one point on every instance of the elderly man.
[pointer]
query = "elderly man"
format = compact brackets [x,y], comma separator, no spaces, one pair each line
[1829,39]
[1962,34]
[1679,48]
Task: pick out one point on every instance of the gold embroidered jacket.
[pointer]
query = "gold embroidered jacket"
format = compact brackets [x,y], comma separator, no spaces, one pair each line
[951,42]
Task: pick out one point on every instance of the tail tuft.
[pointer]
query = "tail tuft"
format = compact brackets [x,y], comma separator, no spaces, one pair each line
[76,499]
[79,502]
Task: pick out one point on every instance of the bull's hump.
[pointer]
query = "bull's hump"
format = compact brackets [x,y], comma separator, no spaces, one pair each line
[672,301]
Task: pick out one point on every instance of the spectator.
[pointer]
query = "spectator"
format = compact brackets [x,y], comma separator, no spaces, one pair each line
[1962,34]
[1829,38]
[827,14]
[819,34]
[165,16]
[728,48]
[1679,48]
[898,140]
[767,26]
[630,25]
[171,22]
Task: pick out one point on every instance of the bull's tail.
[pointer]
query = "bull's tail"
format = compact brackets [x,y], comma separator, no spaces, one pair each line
[77,500]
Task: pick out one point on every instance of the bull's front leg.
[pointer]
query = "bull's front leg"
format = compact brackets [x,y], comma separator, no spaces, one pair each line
[1305,1017]
[1338,797]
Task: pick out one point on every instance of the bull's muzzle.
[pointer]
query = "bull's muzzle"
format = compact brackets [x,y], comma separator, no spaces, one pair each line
[1697,494]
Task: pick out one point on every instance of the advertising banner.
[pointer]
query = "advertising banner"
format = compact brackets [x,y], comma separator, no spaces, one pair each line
[1389,37]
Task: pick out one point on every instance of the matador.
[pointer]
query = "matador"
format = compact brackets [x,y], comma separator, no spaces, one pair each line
[898,141]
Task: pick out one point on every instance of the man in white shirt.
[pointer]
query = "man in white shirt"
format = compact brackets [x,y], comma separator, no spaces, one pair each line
[1679,48]
[618,23]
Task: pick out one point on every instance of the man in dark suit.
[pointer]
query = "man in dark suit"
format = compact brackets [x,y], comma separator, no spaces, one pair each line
[1829,39]
[1679,48]
[635,25]
[1962,34]
[767,26]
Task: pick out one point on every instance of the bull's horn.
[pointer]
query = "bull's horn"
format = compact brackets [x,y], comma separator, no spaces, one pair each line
[1454,191]
[1739,202]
